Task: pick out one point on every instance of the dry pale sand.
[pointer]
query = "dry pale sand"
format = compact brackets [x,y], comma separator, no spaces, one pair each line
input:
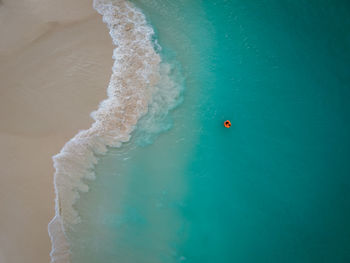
[55,64]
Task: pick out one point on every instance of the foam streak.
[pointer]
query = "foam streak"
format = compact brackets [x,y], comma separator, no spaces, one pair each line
[133,81]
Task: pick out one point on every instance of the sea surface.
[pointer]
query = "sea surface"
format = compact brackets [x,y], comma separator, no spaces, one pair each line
[272,188]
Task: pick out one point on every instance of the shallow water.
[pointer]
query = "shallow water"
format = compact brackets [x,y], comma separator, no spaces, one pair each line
[272,188]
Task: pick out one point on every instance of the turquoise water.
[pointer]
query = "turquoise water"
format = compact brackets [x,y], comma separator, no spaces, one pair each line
[272,188]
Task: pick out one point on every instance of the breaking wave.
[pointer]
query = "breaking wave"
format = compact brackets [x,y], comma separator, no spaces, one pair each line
[140,83]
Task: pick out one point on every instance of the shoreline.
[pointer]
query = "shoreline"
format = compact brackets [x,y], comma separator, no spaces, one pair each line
[136,72]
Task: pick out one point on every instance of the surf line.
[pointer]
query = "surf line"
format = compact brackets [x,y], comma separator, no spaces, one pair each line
[133,81]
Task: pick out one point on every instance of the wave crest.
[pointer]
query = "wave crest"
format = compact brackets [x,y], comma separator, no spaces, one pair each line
[136,73]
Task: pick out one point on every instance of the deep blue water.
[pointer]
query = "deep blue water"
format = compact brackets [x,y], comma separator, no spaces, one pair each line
[272,188]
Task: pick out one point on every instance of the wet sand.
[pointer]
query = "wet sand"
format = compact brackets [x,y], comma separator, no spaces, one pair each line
[55,64]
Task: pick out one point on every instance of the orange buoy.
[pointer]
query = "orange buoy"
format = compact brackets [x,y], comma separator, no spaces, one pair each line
[227,124]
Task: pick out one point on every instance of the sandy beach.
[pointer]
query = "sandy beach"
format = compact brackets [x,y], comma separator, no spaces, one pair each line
[55,64]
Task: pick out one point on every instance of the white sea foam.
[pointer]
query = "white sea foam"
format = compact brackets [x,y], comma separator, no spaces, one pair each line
[137,79]
[165,98]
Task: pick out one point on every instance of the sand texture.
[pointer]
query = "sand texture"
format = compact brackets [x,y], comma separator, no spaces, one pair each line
[55,64]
